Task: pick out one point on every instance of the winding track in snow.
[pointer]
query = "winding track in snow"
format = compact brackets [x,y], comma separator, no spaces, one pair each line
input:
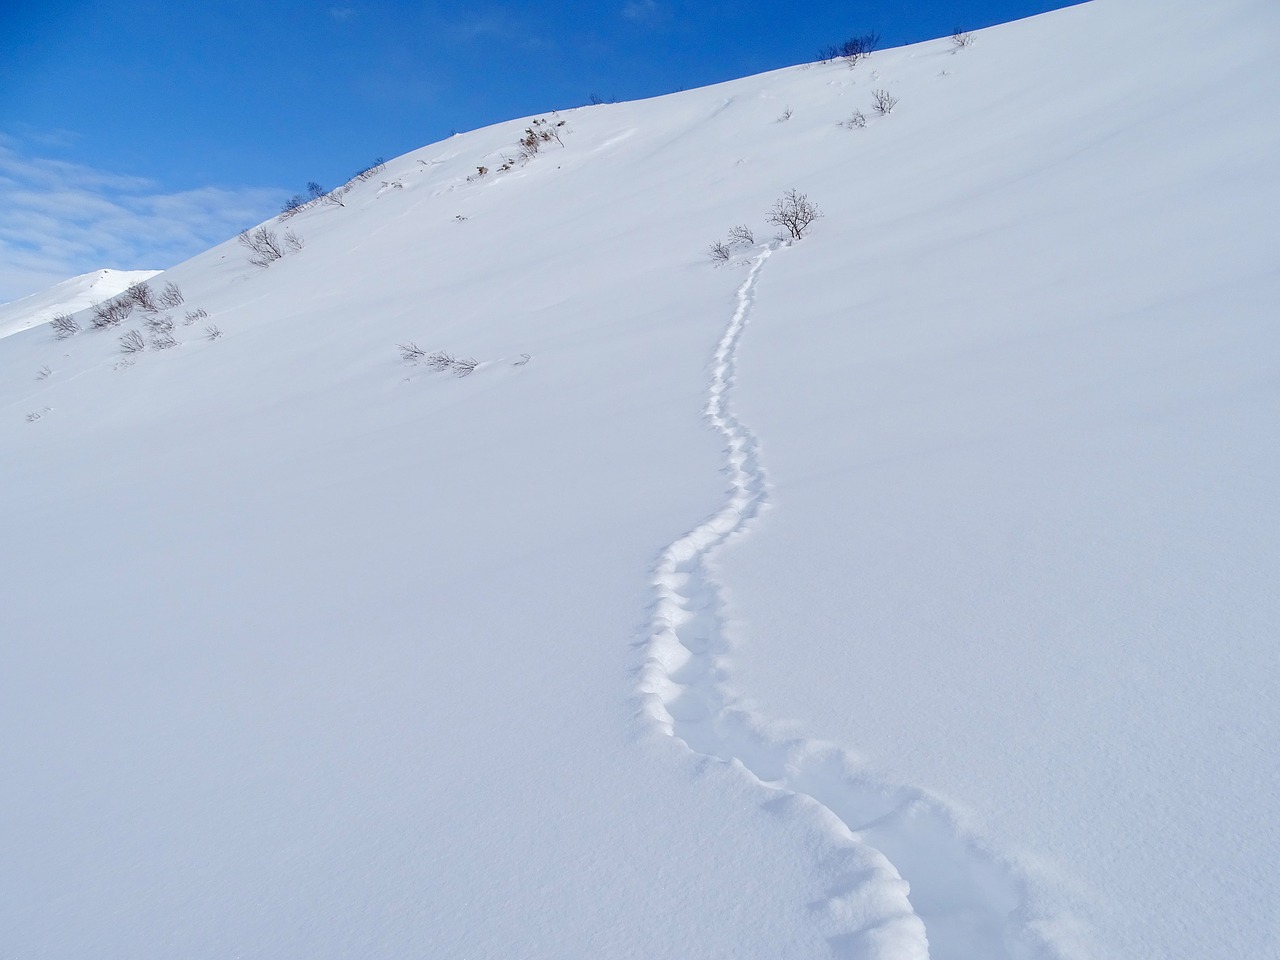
[911,883]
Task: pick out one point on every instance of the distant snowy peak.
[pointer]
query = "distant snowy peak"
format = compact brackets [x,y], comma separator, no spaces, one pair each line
[68,296]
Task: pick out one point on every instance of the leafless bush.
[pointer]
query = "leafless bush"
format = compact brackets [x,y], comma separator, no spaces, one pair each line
[264,246]
[163,341]
[883,102]
[34,416]
[64,325]
[410,352]
[961,39]
[170,296]
[524,358]
[293,241]
[857,48]
[464,368]
[211,332]
[159,324]
[718,251]
[43,373]
[142,296]
[794,212]
[441,360]
[132,342]
[742,234]
[371,171]
[785,115]
[855,122]
[110,313]
[194,315]
[295,204]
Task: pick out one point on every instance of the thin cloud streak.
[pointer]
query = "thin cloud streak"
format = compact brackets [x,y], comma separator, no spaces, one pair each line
[64,219]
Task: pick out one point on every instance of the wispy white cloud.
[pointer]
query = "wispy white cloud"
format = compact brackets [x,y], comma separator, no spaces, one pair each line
[63,219]
[643,11]
[342,13]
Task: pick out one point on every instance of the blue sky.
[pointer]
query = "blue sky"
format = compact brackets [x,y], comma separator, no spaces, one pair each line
[135,134]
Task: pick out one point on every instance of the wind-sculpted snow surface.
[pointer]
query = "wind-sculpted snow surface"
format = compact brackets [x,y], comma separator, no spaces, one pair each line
[913,884]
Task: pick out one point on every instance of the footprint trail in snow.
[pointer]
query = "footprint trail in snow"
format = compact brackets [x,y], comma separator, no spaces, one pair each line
[912,884]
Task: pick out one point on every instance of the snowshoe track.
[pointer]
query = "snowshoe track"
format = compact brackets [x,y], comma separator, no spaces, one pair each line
[911,883]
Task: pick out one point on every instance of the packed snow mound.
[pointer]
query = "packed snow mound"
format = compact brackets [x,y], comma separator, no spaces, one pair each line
[524,552]
[69,296]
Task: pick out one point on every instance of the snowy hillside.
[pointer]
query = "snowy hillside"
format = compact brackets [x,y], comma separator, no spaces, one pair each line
[908,590]
[69,296]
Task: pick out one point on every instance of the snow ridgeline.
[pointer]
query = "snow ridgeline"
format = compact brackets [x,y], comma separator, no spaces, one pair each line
[914,884]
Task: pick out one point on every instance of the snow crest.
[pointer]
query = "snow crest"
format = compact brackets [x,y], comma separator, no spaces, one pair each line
[913,883]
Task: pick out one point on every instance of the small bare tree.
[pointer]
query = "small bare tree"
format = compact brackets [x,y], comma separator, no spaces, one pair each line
[441,360]
[142,296]
[44,372]
[855,122]
[856,49]
[410,352]
[371,171]
[163,341]
[786,115]
[883,102]
[960,39]
[293,241]
[794,212]
[132,342]
[194,315]
[110,313]
[170,296]
[64,325]
[211,332]
[464,368]
[718,251]
[742,234]
[264,246]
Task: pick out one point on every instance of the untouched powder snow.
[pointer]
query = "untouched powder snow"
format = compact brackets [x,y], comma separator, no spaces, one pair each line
[69,296]
[907,591]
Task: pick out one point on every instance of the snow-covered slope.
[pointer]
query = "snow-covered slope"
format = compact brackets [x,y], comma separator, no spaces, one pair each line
[906,591]
[69,296]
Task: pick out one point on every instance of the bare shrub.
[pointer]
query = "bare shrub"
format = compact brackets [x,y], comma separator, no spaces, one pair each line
[211,332]
[194,315]
[742,234]
[524,358]
[883,102]
[293,241]
[132,342]
[110,313]
[371,171]
[295,204]
[34,416]
[718,251]
[44,372]
[856,49]
[855,122]
[159,324]
[64,325]
[786,115]
[464,368]
[264,246]
[163,341]
[170,296]
[960,39]
[794,212]
[142,296]
[410,352]
[441,360]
